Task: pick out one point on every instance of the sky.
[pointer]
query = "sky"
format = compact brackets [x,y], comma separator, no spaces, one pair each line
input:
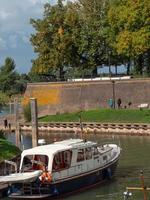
[15,30]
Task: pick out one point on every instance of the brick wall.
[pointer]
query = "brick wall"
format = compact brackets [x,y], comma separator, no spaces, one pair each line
[68,97]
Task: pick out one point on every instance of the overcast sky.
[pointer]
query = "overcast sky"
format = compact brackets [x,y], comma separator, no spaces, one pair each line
[15,30]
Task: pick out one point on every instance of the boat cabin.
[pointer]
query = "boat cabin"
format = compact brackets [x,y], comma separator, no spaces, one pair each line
[68,157]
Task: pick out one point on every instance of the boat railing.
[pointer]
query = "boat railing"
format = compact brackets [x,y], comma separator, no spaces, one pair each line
[12,163]
[8,167]
[32,188]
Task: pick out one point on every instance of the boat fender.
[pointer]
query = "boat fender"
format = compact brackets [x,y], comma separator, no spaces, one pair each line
[55,191]
[45,177]
[9,190]
[109,174]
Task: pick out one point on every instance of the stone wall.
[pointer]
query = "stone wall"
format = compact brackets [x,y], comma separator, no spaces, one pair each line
[73,96]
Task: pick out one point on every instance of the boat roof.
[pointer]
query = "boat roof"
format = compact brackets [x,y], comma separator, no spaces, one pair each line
[59,146]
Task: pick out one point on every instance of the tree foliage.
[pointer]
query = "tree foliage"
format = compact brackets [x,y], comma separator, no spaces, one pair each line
[130,24]
[55,39]
[11,82]
[76,37]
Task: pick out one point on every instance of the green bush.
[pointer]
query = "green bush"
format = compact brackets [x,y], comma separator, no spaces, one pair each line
[27,112]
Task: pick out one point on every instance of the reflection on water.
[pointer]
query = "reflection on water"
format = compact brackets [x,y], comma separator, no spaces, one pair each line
[5,110]
[134,157]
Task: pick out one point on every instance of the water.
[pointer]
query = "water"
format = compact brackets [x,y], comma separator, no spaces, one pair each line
[4,111]
[134,157]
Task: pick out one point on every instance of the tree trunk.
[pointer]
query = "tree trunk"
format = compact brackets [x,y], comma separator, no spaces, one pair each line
[148,62]
[61,73]
[139,65]
[94,72]
[116,70]
[128,67]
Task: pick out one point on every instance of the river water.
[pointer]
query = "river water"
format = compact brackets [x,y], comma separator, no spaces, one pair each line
[135,157]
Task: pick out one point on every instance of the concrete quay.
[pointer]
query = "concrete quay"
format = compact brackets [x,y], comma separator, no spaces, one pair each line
[88,127]
[95,128]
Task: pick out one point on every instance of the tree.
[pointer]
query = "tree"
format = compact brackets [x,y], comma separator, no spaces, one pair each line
[130,29]
[55,40]
[93,46]
[10,81]
[4,99]
[7,75]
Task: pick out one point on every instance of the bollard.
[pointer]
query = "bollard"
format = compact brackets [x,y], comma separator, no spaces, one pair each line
[33,103]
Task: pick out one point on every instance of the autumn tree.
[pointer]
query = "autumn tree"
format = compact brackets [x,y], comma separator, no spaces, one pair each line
[55,40]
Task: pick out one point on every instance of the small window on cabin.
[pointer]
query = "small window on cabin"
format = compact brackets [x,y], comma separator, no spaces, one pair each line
[104,158]
[27,164]
[95,151]
[62,160]
[88,153]
[80,155]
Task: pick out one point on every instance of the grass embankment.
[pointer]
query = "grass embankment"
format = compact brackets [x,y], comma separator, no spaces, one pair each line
[7,150]
[103,115]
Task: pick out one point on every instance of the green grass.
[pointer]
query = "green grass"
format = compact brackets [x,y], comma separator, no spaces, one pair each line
[7,150]
[103,115]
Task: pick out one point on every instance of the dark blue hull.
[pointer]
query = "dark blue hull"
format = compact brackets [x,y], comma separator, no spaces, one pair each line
[69,185]
[85,181]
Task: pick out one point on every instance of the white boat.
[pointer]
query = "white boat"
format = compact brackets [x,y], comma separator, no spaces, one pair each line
[66,166]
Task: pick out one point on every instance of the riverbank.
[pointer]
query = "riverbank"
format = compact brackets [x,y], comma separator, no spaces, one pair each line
[102,121]
[103,116]
[89,128]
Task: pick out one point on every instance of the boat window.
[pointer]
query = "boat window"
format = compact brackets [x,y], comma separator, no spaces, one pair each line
[62,160]
[80,156]
[88,153]
[34,162]
[105,157]
[95,151]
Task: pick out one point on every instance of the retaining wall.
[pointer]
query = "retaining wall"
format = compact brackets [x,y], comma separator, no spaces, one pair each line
[66,97]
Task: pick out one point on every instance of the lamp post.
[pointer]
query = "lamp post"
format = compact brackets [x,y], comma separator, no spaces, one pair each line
[61,70]
[109,52]
[113,93]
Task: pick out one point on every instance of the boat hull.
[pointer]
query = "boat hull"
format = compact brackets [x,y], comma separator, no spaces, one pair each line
[70,185]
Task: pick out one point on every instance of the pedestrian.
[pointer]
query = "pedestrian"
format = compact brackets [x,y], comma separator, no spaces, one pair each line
[119,103]
[5,123]
[110,103]
[9,126]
